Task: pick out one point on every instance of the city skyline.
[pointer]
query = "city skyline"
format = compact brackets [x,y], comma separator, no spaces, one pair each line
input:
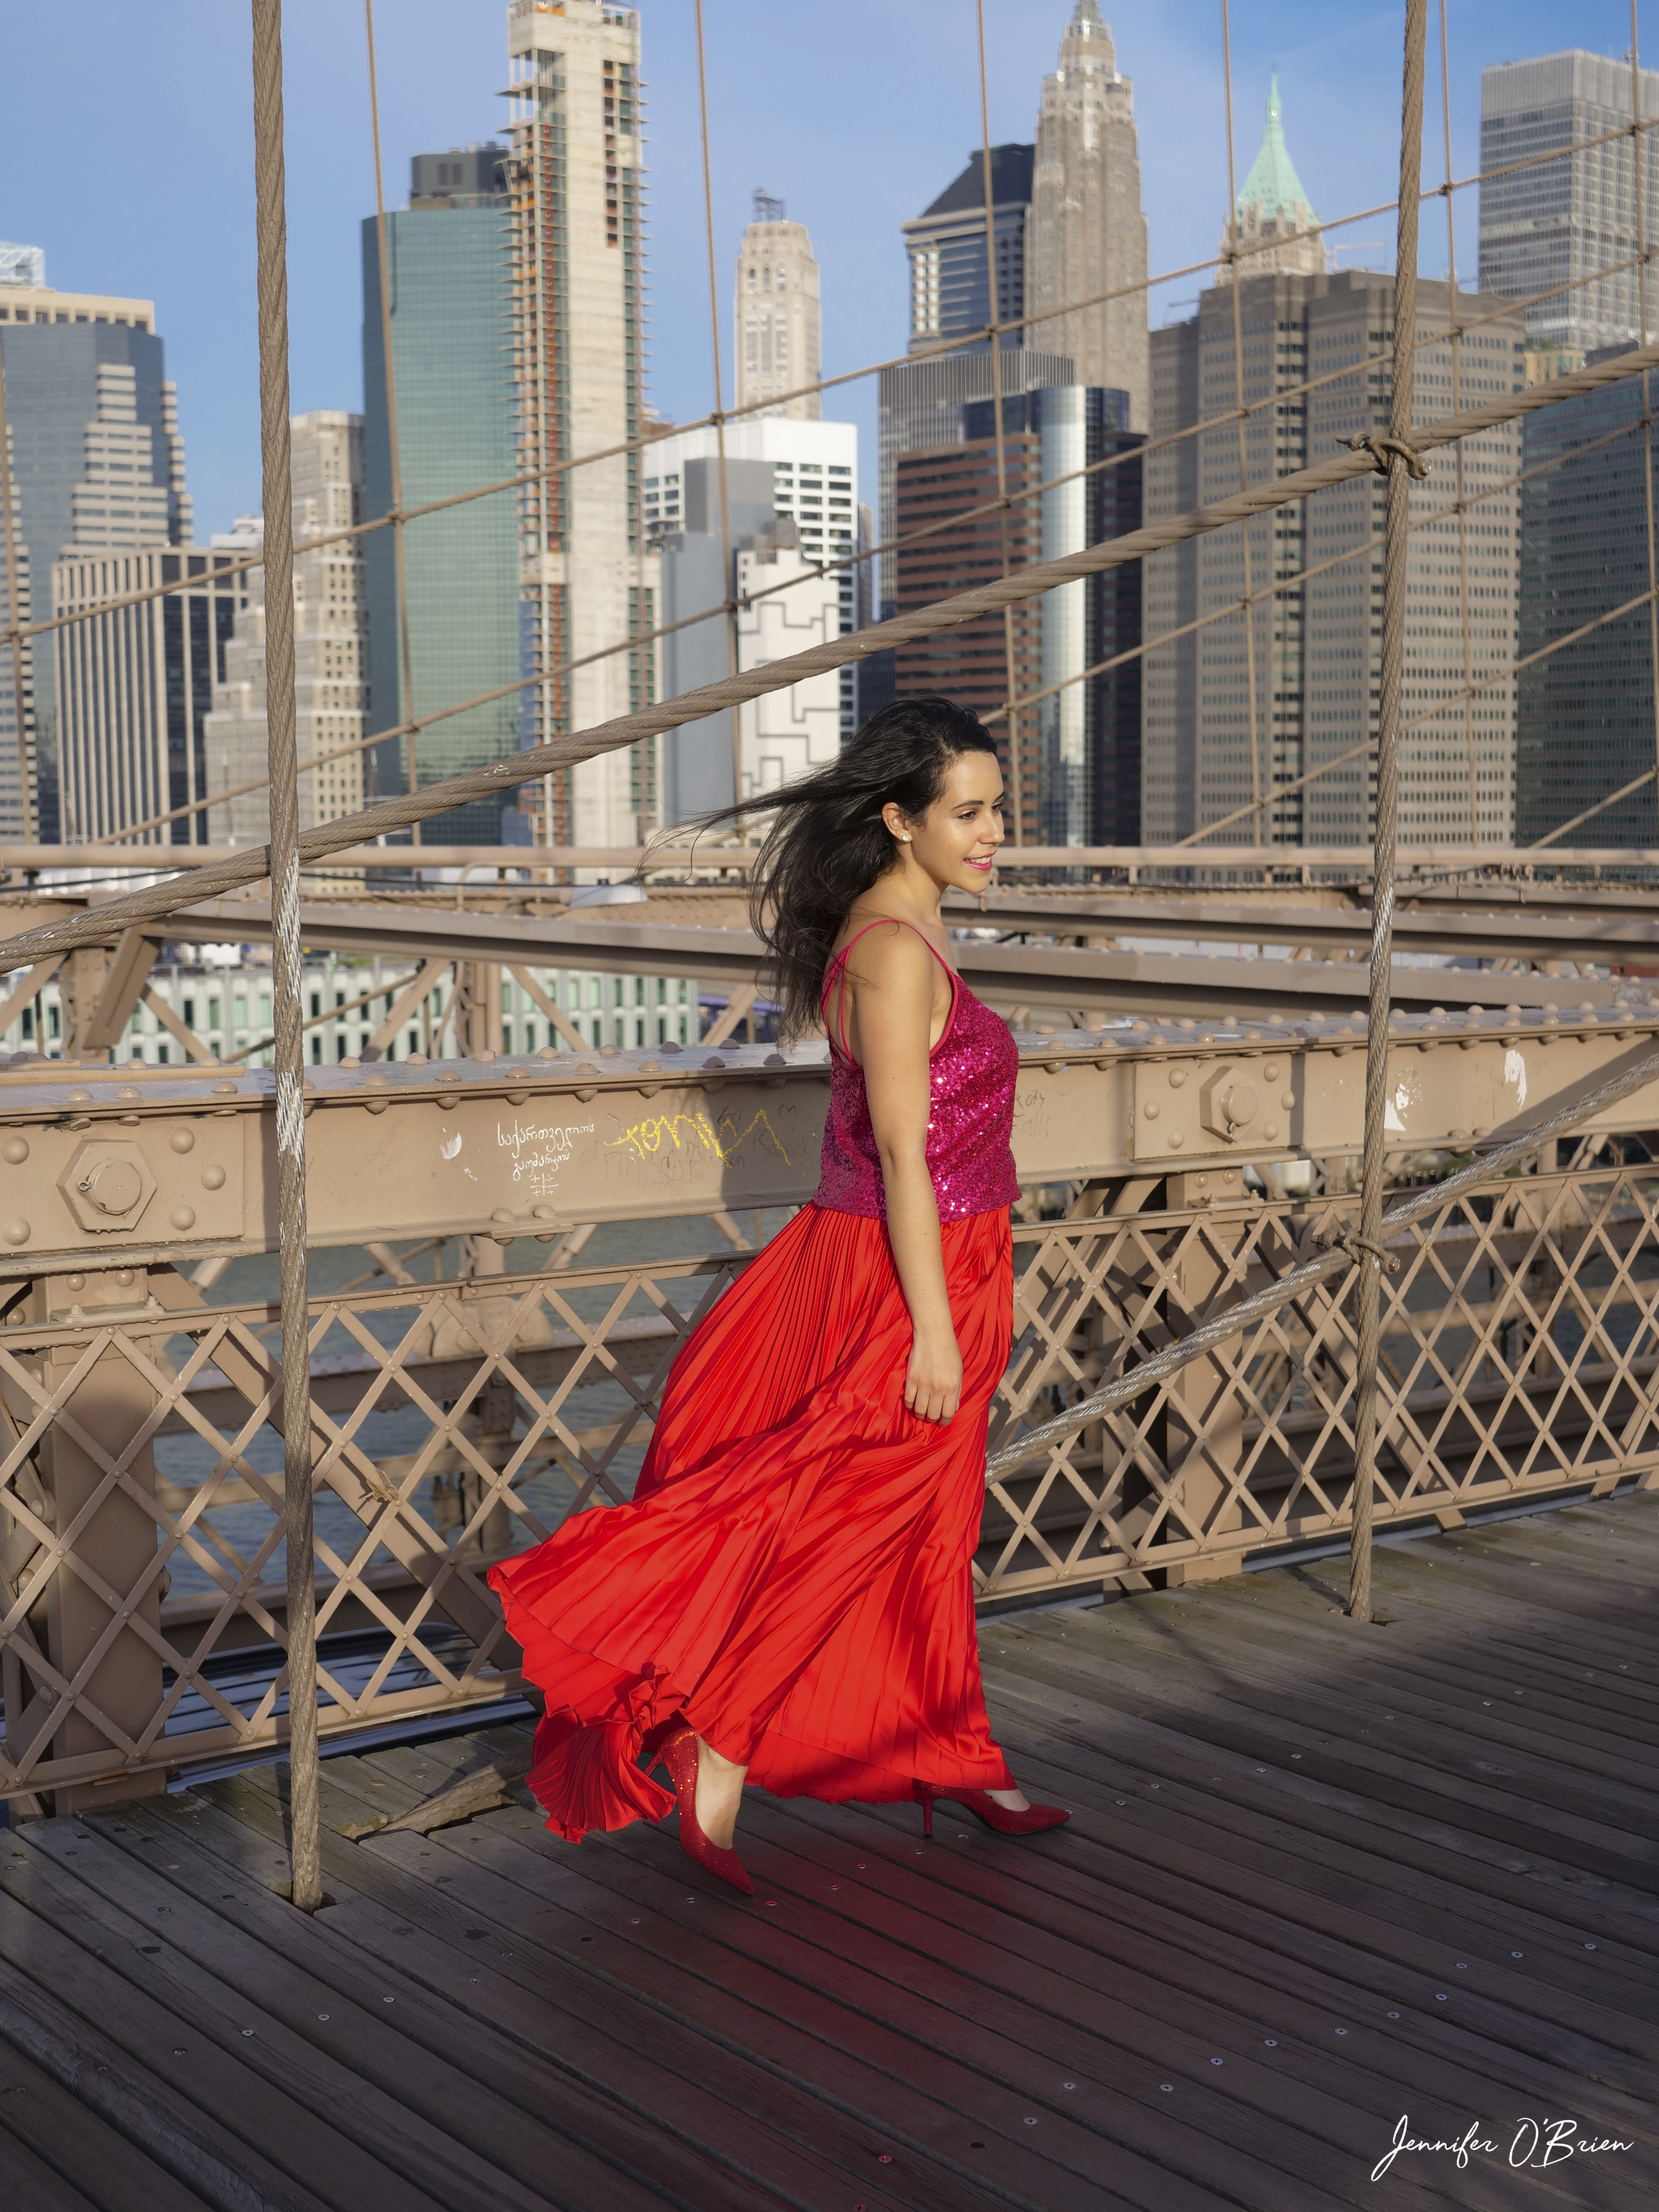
[887,162]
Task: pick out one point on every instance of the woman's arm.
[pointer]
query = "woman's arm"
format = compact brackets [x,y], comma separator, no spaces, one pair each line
[889,1029]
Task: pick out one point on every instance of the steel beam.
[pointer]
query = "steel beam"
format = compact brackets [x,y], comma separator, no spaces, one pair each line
[1058,975]
[163,1166]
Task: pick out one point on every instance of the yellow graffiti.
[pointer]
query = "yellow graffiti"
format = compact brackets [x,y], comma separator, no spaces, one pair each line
[657,1130]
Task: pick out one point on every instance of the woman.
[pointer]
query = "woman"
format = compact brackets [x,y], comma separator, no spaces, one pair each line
[787,1601]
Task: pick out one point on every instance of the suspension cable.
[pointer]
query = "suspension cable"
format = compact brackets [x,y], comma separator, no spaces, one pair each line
[412,721]
[230,569]
[1638,150]
[1401,467]
[304,1788]
[490,778]
[729,604]
[1453,305]
[994,298]
[824,568]
[1230,277]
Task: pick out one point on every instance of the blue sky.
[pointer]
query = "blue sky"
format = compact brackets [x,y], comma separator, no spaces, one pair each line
[127,154]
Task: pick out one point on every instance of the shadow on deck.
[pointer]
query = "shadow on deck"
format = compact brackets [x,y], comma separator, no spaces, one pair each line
[1318,1877]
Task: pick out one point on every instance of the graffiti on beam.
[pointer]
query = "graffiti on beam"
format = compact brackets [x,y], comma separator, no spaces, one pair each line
[660,1133]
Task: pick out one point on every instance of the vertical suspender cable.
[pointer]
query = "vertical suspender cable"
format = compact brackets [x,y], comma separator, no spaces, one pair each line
[412,739]
[719,418]
[1639,156]
[8,518]
[1396,545]
[1455,326]
[993,319]
[1232,266]
[283,857]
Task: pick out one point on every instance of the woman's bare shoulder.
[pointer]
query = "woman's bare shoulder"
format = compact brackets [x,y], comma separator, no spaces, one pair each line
[884,948]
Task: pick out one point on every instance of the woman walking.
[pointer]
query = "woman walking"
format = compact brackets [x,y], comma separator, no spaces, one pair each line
[788,1601]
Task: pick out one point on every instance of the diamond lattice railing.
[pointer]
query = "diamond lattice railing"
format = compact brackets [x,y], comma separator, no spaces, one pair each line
[141,1506]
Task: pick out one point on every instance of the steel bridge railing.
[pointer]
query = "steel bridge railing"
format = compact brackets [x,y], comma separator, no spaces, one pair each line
[486,1358]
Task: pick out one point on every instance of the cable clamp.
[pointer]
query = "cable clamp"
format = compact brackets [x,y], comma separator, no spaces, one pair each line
[1382,450]
[1354,1246]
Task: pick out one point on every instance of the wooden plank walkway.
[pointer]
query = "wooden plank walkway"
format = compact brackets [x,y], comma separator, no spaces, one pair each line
[1318,1877]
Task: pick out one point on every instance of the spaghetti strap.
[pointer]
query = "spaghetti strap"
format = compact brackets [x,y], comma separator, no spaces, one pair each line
[838,959]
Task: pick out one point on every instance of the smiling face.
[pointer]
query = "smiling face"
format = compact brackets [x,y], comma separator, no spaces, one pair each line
[956,841]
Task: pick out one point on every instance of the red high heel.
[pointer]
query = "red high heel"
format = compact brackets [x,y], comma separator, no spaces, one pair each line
[679,1756]
[984,1807]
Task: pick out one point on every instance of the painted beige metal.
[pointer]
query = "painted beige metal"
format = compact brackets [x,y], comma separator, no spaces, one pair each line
[1520,1348]
[1521,1344]
[1059,975]
[1278,860]
[172,1165]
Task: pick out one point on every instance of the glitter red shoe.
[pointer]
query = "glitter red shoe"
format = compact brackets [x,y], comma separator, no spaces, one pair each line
[679,1756]
[984,1807]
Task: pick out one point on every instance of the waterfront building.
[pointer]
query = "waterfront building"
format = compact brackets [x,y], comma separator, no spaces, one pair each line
[777,330]
[588,582]
[447,255]
[91,452]
[1088,230]
[330,646]
[1314,650]
[1546,227]
[1273,223]
[1585,714]
[223,997]
[793,488]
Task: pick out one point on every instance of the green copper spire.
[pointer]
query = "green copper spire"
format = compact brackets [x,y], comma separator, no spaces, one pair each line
[1273,183]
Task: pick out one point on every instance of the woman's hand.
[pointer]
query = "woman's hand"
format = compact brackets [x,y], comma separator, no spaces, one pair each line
[933,1380]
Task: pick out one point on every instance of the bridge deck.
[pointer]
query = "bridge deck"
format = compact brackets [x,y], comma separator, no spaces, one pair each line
[1319,1876]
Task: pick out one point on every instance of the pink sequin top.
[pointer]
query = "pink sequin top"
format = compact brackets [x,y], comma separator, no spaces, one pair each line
[973,1066]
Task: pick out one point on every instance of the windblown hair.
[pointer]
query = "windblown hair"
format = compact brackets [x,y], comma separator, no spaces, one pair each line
[828,843]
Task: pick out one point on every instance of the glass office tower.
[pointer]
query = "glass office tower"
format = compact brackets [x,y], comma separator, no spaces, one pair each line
[1584,717]
[448,259]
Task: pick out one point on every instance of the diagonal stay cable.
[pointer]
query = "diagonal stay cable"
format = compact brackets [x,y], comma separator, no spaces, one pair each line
[935,528]
[1292,580]
[493,777]
[225,569]
[1336,1259]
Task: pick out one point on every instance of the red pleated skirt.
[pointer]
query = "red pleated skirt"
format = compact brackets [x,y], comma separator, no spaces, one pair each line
[792,1577]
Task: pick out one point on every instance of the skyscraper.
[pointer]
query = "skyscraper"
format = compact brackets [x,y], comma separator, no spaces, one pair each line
[1088,233]
[1585,719]
[1273,204]
[707,558]
[810,481]
[587,582]
[448,253]
[1232,713]
[1546,227]
[331,645]
[944,507]
[778,341]
[54,345]
[921,406]
[949,274]
[1080,745]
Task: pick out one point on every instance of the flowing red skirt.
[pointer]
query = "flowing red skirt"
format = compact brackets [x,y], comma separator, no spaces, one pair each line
[792,1576]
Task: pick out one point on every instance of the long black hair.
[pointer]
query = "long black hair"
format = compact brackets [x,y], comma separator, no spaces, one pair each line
[827,842]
